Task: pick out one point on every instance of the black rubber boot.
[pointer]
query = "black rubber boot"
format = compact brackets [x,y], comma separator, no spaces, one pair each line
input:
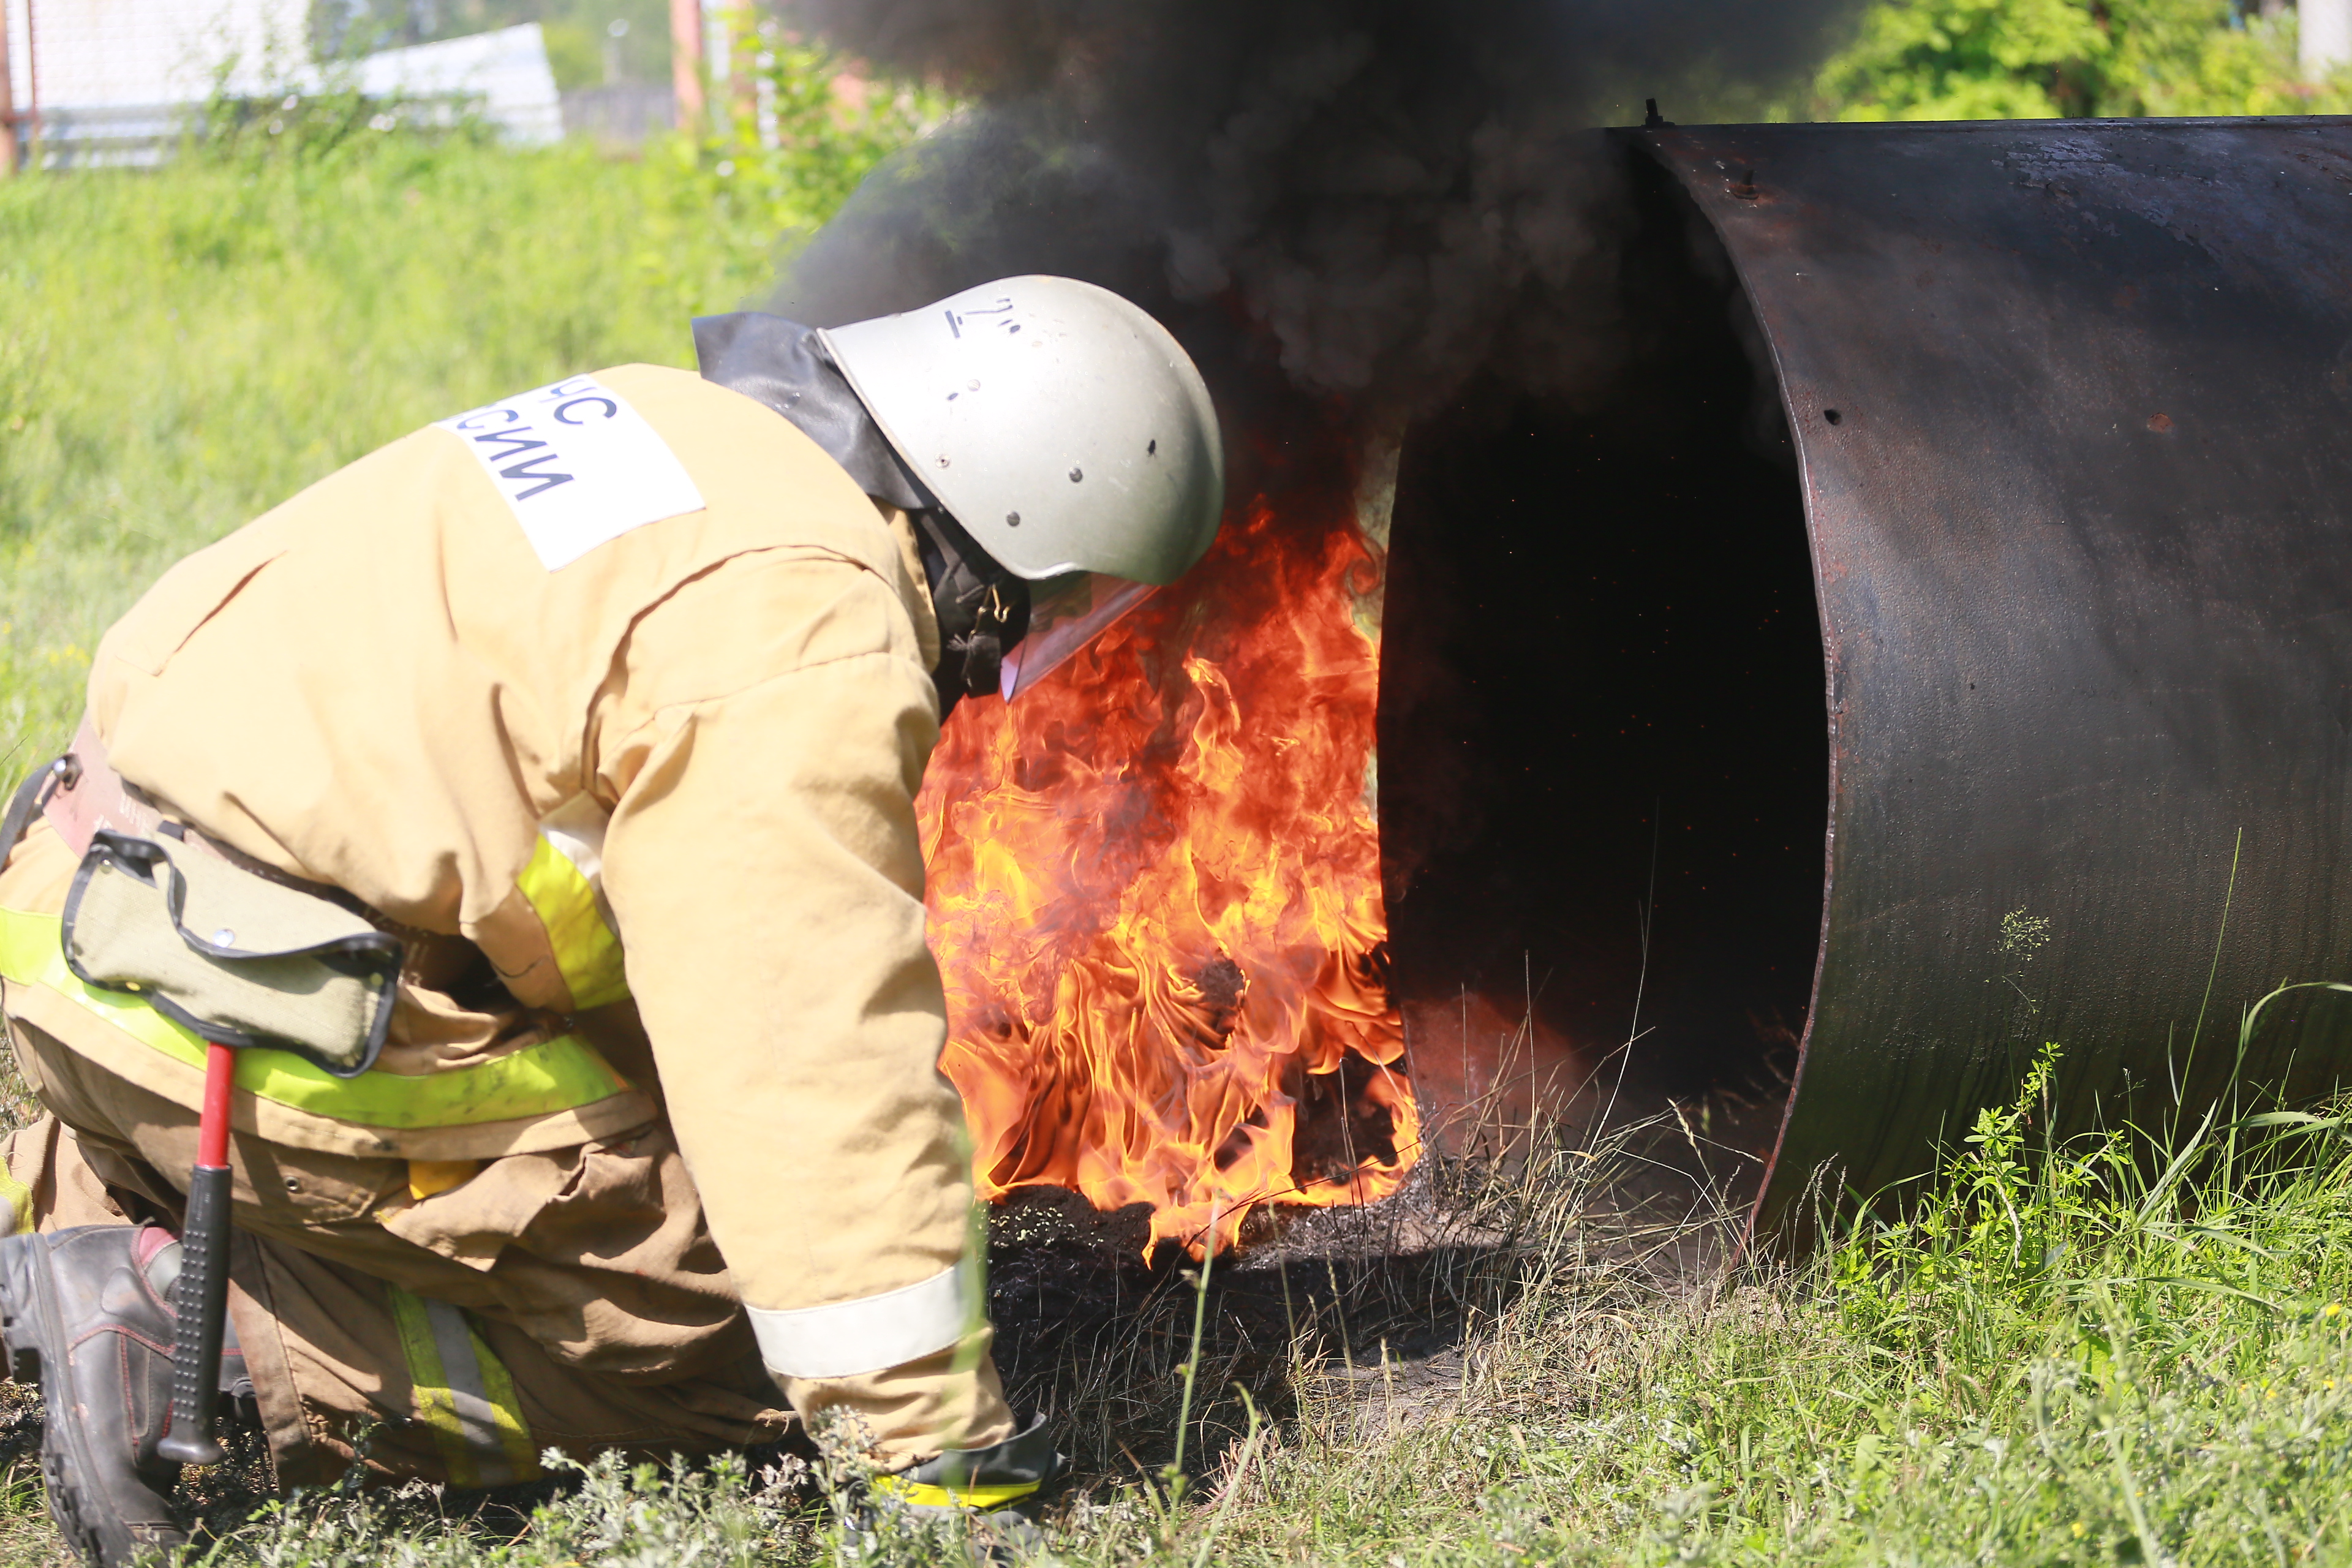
[82,1314]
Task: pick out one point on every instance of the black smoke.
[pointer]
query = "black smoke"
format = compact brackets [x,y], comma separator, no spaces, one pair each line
[1368,218]
[1352,204]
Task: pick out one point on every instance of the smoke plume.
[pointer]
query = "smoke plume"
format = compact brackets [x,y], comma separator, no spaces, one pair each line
[1352,203]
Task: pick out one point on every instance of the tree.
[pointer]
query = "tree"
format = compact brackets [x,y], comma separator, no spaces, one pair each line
[2002,60]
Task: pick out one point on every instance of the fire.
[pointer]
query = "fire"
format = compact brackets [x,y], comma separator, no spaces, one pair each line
[1155,895]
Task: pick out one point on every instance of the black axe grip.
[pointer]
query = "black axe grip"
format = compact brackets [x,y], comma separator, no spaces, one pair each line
[202,1304]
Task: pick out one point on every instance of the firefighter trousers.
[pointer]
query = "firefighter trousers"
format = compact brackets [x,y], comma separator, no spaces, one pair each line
[570,1299]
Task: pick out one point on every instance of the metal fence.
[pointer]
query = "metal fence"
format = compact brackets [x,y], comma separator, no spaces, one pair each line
[132,136]
[95,83]
[621,114]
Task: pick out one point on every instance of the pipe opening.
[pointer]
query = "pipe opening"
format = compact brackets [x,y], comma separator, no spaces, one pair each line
[1602,738]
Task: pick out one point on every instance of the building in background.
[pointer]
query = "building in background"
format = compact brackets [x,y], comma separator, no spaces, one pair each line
[620,113]
[118,74]
[2325,35]
[115,81]
[502,76]
[685,26]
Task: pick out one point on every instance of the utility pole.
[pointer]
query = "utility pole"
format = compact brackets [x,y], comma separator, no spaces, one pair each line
[2326,32]
[8,102]
[742,77]
[686,62]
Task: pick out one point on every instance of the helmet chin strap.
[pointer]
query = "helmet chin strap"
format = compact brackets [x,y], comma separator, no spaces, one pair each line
[983,609]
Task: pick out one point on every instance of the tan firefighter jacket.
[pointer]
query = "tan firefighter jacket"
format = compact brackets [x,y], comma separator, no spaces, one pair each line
[627,682]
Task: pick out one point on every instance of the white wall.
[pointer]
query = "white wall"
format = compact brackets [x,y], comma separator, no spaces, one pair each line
[117,53]
[506,68]
[2326,30]
[121,54]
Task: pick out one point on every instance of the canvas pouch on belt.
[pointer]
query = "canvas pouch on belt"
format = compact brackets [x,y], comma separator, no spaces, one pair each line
[231,956]
[222,951]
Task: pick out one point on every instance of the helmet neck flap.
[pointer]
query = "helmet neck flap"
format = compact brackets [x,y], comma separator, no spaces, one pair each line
[982,608]
[784,366]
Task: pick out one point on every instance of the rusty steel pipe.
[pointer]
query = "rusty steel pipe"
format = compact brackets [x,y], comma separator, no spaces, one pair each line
[2070,402]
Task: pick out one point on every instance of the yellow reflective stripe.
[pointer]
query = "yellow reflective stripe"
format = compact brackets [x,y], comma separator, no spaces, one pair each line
[586,951]
[923,1494]
[463,1394]
[562,1074]
[506,1409]
[429,1177]
[429,1387]
[19,1199]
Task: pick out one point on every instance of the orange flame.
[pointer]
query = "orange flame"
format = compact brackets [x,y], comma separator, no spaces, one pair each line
[1155,895]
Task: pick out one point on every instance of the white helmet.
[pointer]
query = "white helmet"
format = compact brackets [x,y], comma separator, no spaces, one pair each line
[1064,428]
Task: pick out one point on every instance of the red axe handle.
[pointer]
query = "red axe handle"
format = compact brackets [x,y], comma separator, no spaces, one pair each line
[202,1301]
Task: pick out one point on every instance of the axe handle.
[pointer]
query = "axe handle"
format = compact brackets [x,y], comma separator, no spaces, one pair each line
[201,1299]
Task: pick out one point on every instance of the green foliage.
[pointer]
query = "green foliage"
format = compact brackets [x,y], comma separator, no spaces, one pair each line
[791,144]
[1997,60]
[574,53]
[614,1512]
[2120,1348]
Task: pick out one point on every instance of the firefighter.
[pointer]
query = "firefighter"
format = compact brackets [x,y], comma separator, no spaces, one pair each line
[607,704]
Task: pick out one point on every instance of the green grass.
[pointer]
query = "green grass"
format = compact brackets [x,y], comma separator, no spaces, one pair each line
[2056,1358]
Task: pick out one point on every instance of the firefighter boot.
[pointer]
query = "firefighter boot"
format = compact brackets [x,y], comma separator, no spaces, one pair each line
[980,1489]
[84,1315]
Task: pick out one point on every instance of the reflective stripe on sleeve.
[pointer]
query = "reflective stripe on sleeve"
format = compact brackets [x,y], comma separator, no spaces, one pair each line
[463,1392]
[565,885]
[872,1333]
[562,1074]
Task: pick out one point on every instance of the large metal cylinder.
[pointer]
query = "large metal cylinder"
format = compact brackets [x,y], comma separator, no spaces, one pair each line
[2067,405]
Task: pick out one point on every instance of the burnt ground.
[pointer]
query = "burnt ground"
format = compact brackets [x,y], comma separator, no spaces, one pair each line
[1376,1302]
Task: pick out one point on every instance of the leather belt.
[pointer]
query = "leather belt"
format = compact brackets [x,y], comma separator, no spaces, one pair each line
[81,794]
